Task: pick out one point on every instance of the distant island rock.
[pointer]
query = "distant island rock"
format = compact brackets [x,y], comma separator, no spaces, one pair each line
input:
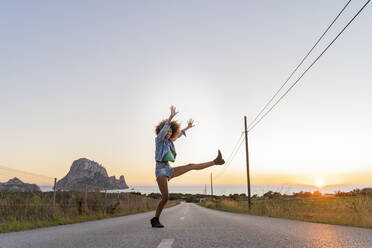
[87,173]
[17,185]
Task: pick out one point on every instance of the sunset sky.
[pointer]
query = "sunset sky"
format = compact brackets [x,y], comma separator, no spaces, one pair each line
[93,78]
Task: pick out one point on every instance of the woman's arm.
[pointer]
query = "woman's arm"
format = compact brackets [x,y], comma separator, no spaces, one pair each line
[166,126]
[190,124]
[172,114]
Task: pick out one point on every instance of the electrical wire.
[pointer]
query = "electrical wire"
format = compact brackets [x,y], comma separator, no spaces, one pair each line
[232,156]
[311,65]
[298,66]
[10,171]
[236,144]
[253,123]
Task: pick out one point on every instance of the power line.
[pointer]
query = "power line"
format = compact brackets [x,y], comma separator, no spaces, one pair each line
[9,171]
[302,61]
[232,155]
[311,65]
[236,151]
[232,152]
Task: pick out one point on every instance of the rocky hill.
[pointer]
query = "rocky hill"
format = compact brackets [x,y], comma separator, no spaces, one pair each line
[17,185]
[84,172]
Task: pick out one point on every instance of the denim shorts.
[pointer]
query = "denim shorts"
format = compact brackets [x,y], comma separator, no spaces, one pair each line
[163,169]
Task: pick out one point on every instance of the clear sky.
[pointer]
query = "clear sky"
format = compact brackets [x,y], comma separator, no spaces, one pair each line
[93,78]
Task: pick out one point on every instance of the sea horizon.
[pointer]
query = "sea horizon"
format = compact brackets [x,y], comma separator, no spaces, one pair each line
[256,189]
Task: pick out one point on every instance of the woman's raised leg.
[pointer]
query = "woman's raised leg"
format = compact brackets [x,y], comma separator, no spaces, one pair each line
[178,171]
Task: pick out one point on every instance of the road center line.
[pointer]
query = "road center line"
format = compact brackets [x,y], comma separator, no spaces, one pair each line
[182,218]
[166,243]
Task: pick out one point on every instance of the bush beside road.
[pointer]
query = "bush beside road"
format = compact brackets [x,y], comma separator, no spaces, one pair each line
[351,208]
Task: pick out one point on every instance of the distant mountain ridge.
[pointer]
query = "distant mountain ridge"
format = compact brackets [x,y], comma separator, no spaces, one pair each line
[87,173]
[17,185]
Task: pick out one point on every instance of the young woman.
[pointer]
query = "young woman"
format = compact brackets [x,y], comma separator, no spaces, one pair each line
[168,131]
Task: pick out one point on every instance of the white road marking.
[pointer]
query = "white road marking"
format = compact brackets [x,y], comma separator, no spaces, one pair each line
[166,243]
[182,218]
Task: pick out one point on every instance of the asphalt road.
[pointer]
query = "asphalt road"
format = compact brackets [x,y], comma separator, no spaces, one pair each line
[188,225]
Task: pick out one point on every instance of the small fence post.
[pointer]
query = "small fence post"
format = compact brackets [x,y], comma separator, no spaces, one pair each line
[86,199]
[105,206]
[211,187]
[54,194]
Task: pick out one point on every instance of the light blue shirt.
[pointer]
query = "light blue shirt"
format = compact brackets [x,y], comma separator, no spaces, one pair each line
[162,145]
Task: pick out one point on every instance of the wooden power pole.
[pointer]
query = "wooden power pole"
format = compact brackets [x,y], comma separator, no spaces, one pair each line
[247,158]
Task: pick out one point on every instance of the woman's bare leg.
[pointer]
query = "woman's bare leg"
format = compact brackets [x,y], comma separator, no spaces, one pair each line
[178,171]
[163,182]
[163,187]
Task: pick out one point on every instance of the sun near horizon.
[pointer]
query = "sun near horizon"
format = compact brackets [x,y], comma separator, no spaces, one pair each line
[319,183]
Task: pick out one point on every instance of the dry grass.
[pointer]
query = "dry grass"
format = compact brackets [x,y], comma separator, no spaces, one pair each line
[350,211]
[19,211]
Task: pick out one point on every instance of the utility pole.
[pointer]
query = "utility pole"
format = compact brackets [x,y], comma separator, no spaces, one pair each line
[211,187]
[247,158]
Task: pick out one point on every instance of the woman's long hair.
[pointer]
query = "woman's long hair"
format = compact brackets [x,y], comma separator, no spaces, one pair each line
[174,125]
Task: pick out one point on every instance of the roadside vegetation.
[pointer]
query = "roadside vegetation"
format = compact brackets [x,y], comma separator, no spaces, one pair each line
[196,198]
[352,208]
[27,210]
